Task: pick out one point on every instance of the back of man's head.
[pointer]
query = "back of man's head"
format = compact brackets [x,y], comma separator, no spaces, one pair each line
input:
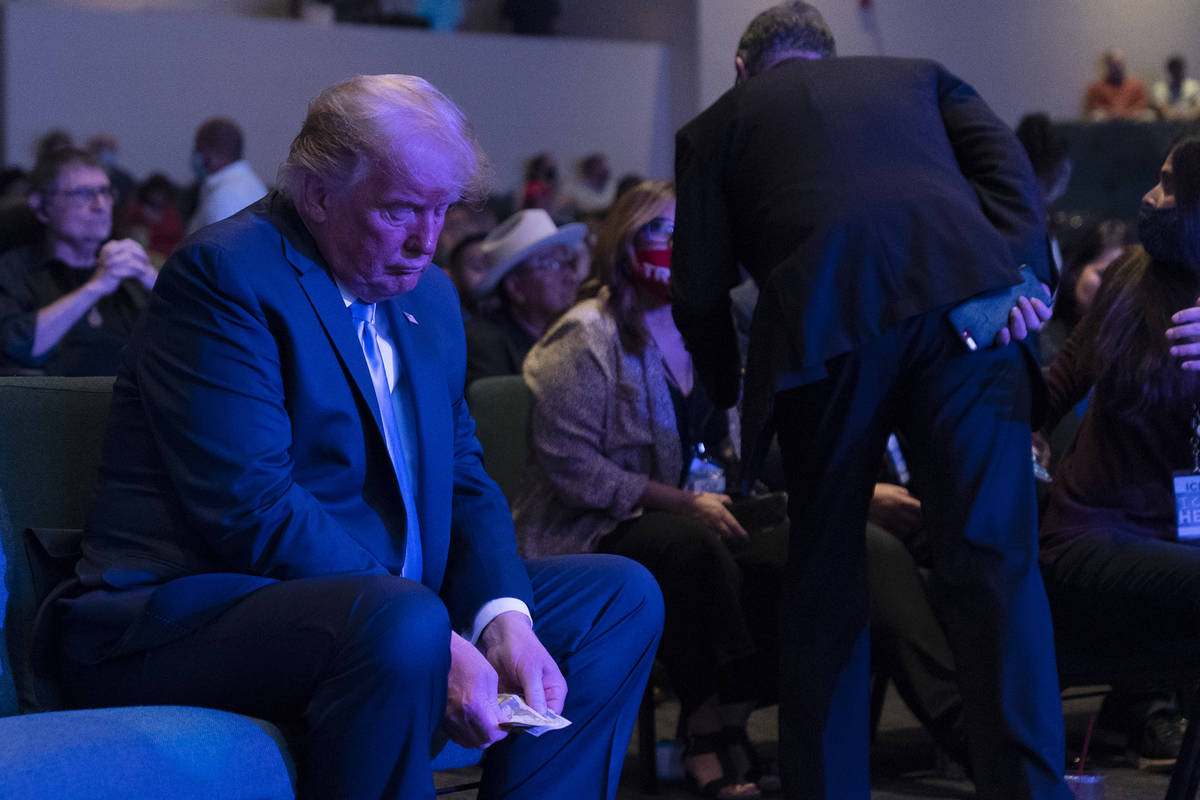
[219,137]
[363,121]
[791,28]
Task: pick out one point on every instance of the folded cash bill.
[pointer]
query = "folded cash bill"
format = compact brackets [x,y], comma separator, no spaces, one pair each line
[516,714]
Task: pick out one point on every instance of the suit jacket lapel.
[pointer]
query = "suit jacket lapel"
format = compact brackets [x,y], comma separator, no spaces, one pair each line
[313,275]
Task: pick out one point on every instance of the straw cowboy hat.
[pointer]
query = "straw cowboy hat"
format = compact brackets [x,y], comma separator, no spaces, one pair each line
[518,238]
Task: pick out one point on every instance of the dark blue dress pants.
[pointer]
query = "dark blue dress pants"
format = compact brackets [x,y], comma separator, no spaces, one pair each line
[360,664]
[966,418]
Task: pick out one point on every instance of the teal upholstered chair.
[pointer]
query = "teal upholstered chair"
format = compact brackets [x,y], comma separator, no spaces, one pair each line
[51,431]
[501,406]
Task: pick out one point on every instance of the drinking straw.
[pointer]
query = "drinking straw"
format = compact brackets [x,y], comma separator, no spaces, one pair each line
[1087,740]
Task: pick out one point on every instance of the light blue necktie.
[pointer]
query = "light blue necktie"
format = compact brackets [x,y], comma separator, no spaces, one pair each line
[363,315]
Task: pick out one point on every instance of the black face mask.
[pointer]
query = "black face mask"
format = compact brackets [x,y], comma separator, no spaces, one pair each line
[1161,233]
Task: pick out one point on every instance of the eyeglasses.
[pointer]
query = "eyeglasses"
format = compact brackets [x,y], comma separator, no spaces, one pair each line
[659,229]
[82,195]
[535,265]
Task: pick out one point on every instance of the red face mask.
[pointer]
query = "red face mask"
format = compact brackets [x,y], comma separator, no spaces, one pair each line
[652,271]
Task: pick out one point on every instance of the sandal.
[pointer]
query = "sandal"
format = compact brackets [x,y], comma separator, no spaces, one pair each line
[724,787]
[759,769]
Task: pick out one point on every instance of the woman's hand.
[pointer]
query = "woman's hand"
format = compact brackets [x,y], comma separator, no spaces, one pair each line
[1184,336]
[713,510]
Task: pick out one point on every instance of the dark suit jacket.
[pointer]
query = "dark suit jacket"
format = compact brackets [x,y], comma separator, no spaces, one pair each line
[496,345]
[858,192]
[244,445]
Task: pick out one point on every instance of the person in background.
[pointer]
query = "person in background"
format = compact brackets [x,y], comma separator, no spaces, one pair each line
[461,220]
[1178,97]
[1098,247]
[69,301]
[227,181]
[152,217]
[542,188]
[618,418]
[467,267]
[1118,568]
[532,271]
[1115,95]
[868,197]
[104,147]
[593,190]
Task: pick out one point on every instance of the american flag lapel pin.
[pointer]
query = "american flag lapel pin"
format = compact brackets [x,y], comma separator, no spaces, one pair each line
[411,318]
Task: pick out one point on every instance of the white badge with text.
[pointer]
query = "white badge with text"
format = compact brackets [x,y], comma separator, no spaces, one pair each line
[1187,506]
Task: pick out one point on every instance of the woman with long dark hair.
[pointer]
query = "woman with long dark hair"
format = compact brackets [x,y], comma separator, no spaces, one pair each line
[1117,574]
[617,413]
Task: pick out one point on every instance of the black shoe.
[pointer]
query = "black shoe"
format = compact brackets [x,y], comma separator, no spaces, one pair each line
[1157,743]
[727,787]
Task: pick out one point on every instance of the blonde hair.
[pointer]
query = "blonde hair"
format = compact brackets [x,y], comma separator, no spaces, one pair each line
[632,211]
[358,123]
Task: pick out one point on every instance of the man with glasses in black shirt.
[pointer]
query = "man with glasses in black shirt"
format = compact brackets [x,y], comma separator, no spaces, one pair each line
[69,301]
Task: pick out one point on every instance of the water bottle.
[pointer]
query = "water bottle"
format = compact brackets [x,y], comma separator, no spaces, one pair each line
[704,474]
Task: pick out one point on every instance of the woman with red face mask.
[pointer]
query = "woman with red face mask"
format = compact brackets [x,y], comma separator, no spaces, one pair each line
[618,429]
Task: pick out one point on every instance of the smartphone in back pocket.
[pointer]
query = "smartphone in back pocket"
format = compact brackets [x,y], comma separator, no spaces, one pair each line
[977,321]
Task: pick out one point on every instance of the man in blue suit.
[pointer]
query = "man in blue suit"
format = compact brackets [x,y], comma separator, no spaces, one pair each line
[293,519]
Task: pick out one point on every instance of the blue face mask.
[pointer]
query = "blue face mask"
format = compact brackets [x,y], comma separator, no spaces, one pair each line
[1161,233]
[198,168]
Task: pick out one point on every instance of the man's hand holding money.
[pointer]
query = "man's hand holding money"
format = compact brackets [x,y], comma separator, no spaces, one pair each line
[509,659]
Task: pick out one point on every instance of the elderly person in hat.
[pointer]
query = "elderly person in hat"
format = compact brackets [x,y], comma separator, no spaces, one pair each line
[617,414]
[531,268]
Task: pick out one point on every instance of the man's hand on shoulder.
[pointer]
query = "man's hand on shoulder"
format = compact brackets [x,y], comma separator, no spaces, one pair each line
[522,663]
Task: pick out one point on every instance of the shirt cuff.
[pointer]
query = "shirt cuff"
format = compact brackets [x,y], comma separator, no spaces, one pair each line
[492,609]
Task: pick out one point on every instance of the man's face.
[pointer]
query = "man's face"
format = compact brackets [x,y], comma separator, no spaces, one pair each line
[544,284]
[379,234]
[78,208]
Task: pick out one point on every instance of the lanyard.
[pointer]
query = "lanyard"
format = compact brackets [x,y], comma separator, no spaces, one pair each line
[1196,437]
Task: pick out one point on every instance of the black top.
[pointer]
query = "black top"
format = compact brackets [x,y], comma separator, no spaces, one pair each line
[496,345]
[30,281]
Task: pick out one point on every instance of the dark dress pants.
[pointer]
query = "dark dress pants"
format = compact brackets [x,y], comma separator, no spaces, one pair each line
[966,417]
[909,643]
[1117,593]
[361,663]
[720,633]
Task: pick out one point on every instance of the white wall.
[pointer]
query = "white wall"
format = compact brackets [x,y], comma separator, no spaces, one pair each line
[1022,55]
[151,77]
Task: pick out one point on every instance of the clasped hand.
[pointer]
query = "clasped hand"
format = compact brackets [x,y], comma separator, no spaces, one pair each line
[509,659]
[121,259]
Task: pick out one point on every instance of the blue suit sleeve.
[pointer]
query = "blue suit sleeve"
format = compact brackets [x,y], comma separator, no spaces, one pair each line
[214,399]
